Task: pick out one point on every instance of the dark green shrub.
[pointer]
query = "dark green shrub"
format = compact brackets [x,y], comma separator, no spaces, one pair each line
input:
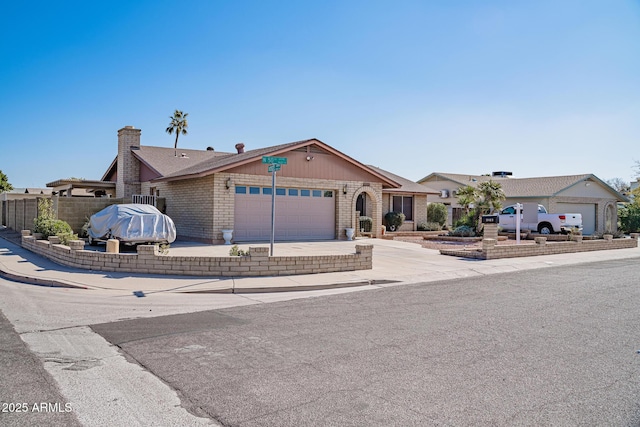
[366,224]
[394,220]
[463,231]
[437,212]
[429,226]
[629,218]
[469,219]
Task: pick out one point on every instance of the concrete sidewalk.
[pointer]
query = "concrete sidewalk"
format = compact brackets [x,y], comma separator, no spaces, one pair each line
[394,262]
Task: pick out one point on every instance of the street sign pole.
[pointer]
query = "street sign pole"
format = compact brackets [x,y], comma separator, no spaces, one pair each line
[273,207]
[275,163]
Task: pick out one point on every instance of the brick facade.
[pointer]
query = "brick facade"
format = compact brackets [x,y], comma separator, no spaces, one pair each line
[419,210]
[202,207]
[128,175]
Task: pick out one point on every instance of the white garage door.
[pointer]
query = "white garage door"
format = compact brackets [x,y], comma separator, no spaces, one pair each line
[588,211]
[301,214]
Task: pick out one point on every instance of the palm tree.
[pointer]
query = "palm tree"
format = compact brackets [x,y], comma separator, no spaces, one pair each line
[178,125]
[466,197]
[491,196]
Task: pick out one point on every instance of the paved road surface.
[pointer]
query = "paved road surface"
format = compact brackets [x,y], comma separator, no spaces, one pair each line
[557,346]
[28,393]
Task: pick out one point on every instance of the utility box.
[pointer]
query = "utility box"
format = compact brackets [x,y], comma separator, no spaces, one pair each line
[490,219]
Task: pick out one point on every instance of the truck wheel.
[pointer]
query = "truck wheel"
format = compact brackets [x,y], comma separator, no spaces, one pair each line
[545,228]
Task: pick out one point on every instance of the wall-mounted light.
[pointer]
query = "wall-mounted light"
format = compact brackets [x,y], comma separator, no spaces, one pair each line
[344,189]
[309,158]
[228,183]
[586,184]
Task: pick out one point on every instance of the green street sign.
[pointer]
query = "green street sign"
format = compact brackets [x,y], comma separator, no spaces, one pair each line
[274,160]
[273,168]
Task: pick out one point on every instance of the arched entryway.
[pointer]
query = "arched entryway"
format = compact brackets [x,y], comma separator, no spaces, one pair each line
[367,203]
[610,218]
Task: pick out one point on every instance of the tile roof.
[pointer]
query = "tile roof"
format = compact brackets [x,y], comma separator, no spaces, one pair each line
[546,186]
[406,186]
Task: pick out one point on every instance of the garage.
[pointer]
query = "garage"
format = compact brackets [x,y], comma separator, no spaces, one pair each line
[588,211]
[301,214]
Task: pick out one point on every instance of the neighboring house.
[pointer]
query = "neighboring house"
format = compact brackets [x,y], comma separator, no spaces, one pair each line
[585,194]
[318,191]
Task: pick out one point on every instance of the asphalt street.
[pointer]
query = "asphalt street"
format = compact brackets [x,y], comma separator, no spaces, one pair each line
[556,346]
[28,393]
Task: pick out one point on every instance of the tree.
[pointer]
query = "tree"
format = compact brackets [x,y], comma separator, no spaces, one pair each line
[178,125]
[4,183]
[490,196]
[619,185]
[437,212]
[466,197]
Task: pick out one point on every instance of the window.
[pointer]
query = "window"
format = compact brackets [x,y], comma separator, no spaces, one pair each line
[317,193]
[254,190]
[404,204]
[293,191]
[281,191]
[305,193]
[267,190]
[241,190]
[328,193]
[508,211]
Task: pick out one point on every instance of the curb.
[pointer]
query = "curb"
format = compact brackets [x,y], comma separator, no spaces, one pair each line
[51,283]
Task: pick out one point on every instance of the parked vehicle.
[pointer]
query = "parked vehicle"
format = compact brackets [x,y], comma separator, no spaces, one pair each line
[545,223]
[131,224]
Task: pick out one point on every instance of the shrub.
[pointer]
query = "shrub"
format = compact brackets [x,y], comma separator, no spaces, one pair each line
[235,251]
[463,231]
[47,224]
[394,220]
[629,217]
[366,224]
[469,219]
[437,212]
[429,226]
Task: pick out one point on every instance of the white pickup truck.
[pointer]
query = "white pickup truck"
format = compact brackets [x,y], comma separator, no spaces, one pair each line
[544,223]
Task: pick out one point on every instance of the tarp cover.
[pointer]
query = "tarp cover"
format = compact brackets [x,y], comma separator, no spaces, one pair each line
[135,223]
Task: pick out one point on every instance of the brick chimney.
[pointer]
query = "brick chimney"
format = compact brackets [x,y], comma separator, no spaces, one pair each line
[240,147]
[128,179]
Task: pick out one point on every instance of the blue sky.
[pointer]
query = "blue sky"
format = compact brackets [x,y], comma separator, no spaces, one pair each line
[534,87]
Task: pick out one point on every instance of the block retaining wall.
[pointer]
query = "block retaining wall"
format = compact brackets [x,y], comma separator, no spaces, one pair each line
[148,260]
[541,247]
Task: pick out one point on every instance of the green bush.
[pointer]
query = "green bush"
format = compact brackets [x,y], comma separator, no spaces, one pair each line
[469,220]
[463,231]
[429,226]
[629,218]
[47,224]
[366,224]
[235,251]
[394,220]
[437,212]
